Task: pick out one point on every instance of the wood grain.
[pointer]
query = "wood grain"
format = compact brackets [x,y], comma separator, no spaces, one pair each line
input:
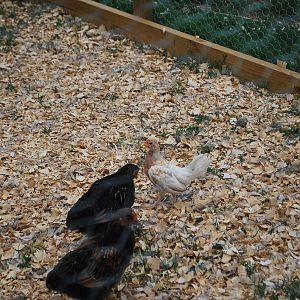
[177,43]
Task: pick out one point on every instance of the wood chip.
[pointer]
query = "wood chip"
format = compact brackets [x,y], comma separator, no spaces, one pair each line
[77,102]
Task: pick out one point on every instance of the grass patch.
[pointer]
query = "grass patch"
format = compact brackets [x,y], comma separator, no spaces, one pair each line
[7,38]
[40,100]
[193,129]
[47,130]
[214,171]
[59,23]
[268,30]
[171,264]
[112,97]
[164,134]
[207,148]
[36,11]
[177,88]
[8,13]
[12,14]
[188,63]
[292,288]
[202,119]
[250,268]
[124,5]
[290,131]
[239,25]
[25,254]
[15,115]
[260,290]
[10,86]
[188,131]
[294,110]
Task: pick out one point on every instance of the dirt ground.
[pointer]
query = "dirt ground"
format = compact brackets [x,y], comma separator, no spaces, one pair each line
[77,103]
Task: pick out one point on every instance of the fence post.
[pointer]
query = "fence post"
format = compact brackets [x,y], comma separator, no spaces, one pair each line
[143,8]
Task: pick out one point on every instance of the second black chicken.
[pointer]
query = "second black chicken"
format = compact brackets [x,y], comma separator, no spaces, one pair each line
[90,271]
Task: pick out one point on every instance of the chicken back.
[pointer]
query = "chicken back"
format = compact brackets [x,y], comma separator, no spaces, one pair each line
[167,176]
[104,197]
[90,271]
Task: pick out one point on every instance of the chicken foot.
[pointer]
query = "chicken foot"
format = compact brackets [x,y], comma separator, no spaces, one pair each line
[159,198]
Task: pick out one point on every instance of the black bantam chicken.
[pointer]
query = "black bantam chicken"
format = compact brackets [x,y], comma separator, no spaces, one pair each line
[92,213]
[90,271]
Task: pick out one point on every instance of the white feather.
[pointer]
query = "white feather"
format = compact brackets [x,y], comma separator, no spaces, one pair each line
[173,179]
[199,165]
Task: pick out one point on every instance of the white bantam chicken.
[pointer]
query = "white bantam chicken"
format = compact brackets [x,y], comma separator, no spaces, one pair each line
[167,177]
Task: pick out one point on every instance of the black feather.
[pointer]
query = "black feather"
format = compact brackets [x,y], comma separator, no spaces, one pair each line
[110,193]
[90,271]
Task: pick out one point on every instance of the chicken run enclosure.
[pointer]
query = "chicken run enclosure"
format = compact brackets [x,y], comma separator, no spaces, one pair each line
[82,85]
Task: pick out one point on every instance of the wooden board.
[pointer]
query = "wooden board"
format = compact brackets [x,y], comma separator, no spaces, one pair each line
[143,8]
[177,43]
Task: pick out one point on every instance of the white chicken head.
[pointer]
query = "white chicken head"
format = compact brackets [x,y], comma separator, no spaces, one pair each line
[152,143]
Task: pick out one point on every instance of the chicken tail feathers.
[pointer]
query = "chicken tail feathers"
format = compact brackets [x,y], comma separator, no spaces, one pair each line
[199,165]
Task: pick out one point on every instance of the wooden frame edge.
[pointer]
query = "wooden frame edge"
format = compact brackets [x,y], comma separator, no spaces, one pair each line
[177,43]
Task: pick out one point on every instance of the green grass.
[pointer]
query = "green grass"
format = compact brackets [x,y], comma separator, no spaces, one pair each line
[10,86]
[235,24]
[194,128]
[25,254]
[124,5]
[260,290]
[202,119]
[177,88]
[112,97]
[40,100]
[26,261]
[164,134]
[290,131]
[8,12]
[36,11]
[207,148]
[59,23]
[214,171]
[47,130]
[268,29]
[7,38]
[295,110]
[15,115]
[188,131]
[292,288]
[189,63]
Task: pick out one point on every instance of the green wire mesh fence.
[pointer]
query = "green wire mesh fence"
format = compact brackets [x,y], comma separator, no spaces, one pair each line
[266,29]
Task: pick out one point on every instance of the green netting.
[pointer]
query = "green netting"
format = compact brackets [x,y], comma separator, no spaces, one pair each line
[124,5]
[266,29]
